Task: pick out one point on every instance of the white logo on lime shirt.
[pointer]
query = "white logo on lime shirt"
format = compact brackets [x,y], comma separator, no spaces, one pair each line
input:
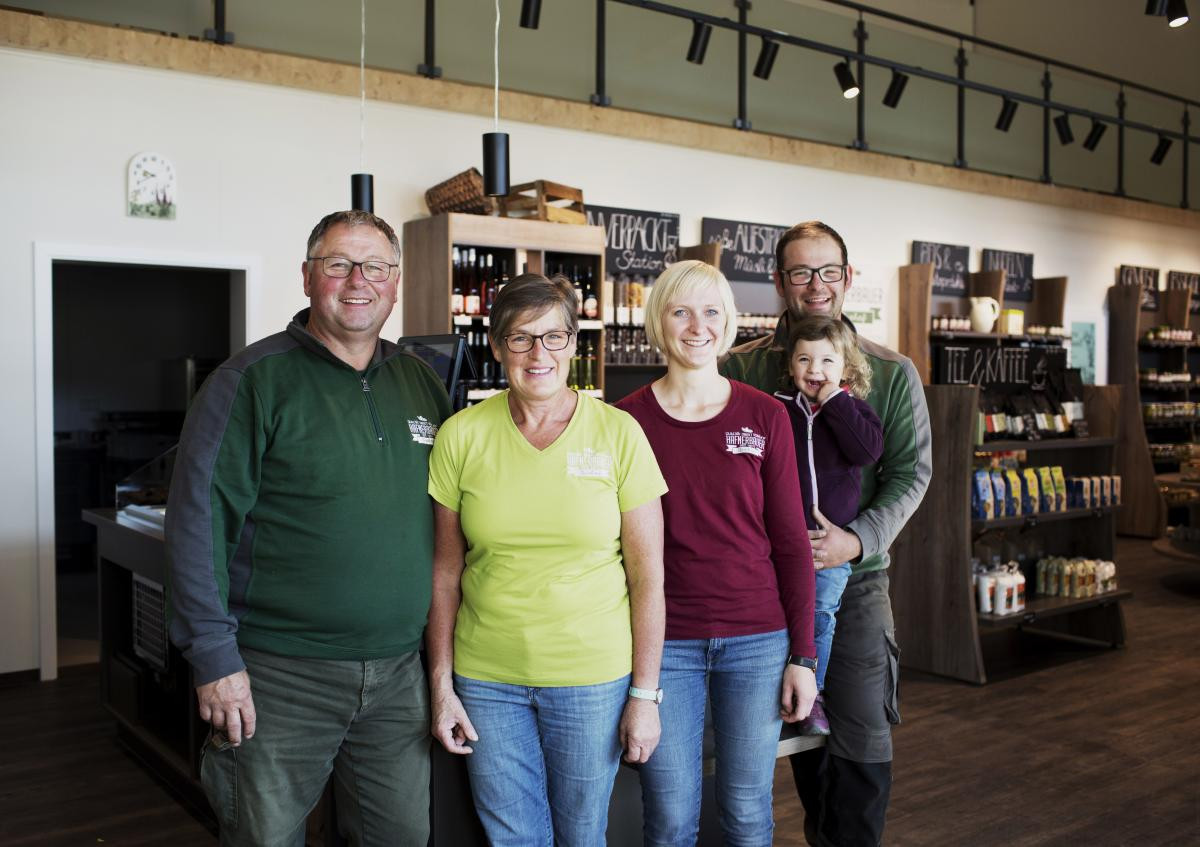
[590,463]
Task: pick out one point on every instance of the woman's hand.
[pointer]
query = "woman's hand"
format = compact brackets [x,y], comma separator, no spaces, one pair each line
[450,724]
[639,730]
[799,692]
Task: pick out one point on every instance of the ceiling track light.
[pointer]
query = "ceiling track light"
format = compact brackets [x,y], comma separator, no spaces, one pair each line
[1156,7]
[1177,13]
[531,12]
[699,44]
[845,78]
[362,184]
[1160,152]
[766,58]
[495,143]
[1007,110]
[895,89]
[1062,125]
[1094,135]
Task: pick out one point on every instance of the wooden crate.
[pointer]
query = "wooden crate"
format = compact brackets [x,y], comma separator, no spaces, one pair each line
[544,201]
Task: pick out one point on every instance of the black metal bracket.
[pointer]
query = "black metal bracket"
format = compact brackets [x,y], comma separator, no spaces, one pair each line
[600,97]
[218,33]
[429,68]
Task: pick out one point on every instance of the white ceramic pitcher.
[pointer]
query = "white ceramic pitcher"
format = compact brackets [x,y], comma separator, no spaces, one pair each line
[984,311]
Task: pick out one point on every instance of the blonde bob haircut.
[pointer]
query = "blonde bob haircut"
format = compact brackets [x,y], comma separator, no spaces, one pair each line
[679,280]
[821,327]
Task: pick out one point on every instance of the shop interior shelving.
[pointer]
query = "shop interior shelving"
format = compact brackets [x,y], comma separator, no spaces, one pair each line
[1130,352]
[536,246]
[931,582]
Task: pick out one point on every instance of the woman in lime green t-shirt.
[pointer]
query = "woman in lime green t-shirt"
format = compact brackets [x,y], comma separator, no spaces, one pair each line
[546,629]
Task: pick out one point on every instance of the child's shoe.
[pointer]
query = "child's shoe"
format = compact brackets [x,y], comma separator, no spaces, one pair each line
[816,723]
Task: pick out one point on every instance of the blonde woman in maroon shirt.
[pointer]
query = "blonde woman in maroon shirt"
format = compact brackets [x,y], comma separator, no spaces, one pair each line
[738,569]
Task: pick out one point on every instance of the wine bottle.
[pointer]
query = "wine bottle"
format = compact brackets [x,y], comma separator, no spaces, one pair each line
[489,295]
[591,306]
[578,283]
[456,291]
[471,305]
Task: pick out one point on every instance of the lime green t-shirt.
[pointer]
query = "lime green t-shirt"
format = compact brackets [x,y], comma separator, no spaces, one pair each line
[544,599]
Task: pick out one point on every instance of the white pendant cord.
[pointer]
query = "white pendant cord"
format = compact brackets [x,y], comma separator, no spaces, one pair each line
[495,72]
[362,88]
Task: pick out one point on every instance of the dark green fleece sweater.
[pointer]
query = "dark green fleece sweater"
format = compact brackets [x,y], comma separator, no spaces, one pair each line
[298,521]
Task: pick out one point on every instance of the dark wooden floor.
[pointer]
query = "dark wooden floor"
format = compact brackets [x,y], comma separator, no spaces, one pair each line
[1074,747]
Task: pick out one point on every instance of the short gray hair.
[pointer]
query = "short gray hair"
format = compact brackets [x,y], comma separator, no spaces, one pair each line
[351,218]
[533,294]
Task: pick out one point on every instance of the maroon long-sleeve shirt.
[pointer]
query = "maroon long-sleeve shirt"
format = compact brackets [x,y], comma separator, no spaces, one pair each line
[736,551]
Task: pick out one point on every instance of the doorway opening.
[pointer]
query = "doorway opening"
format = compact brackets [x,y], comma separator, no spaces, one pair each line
[131,345]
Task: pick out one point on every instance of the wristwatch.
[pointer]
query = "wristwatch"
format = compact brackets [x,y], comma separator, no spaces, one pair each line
[654,695]
[804,662]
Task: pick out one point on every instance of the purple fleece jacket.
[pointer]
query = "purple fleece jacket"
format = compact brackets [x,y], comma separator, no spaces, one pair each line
[833,443]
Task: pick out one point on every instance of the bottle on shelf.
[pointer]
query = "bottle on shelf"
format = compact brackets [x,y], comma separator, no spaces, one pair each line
[471,284]
[456,290]
[621,299]
[606,291]
[589,366]
[591,306]
[490,283]
[577,281]
[503,281]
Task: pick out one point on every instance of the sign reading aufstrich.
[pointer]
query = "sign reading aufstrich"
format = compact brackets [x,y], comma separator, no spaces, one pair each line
[747,249]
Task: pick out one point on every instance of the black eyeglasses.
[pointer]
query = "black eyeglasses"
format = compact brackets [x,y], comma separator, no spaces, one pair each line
[522,342]
[339,268]
[803,275]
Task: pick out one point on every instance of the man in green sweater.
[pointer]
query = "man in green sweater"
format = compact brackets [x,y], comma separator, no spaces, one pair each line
[300,542]
[845,785]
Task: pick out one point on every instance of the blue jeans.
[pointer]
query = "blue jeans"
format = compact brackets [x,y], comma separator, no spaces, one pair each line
[543,768]
[742,676]
[831,583]
[367,723]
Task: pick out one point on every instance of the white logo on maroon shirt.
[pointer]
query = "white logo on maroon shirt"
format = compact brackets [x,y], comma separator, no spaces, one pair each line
[745,440]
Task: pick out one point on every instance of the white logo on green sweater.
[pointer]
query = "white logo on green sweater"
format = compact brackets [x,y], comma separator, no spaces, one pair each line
[423,431]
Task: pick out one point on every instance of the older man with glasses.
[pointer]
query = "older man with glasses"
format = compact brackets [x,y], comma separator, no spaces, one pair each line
[845,786]
[300,540]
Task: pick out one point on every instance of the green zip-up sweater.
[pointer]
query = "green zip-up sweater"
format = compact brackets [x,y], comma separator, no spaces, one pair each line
[298,521]
[893,487]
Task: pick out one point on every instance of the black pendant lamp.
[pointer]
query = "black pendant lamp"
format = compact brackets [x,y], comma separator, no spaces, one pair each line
[362,185]
[495,143]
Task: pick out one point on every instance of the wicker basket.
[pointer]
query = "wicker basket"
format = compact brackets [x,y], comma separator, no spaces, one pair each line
[461,193]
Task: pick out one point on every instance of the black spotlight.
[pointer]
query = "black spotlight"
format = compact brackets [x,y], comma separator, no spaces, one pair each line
[1160,152]
[1007,110]
[1156,7]
[895,89]
[362,192]
[495,164]
[845,78]
[766,58]
[1094,135]
[1177,13]
[1062,124]
[699,45]
[531,11]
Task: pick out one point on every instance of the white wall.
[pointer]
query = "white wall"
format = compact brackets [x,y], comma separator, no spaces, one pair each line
[259,165]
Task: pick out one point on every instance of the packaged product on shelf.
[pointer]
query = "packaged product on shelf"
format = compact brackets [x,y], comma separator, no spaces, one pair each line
[1019,587]
[1091,496]
[1078,579]
[985,585]
[982,507]
[1030,496]
[1053,576]
[1006,593]
[1114,490]
[1060,488]
[1046,484]
[1105,490]
[999,501]
[1012,492]
[1074,493]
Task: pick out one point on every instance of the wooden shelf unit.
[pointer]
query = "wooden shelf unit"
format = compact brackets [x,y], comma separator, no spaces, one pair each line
[937,624]
[426,285]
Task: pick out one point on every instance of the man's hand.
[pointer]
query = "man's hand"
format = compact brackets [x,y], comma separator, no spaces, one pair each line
[832,545]
[799,692]
[639,730]
[450,724]
[227,705]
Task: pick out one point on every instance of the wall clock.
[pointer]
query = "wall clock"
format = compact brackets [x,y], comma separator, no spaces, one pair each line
[150,188]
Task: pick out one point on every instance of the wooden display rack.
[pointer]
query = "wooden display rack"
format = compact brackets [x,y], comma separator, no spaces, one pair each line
[535,245]
[544,201]
[931,583]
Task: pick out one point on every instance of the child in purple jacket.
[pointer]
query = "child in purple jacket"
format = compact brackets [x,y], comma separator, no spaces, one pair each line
[837,433]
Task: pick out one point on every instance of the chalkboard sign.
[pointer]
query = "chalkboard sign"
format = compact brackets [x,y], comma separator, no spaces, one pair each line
[1018,273]
[636,241]
[747,250]
[949,265]
[1190,281]
[1147,278]
[1006,367]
